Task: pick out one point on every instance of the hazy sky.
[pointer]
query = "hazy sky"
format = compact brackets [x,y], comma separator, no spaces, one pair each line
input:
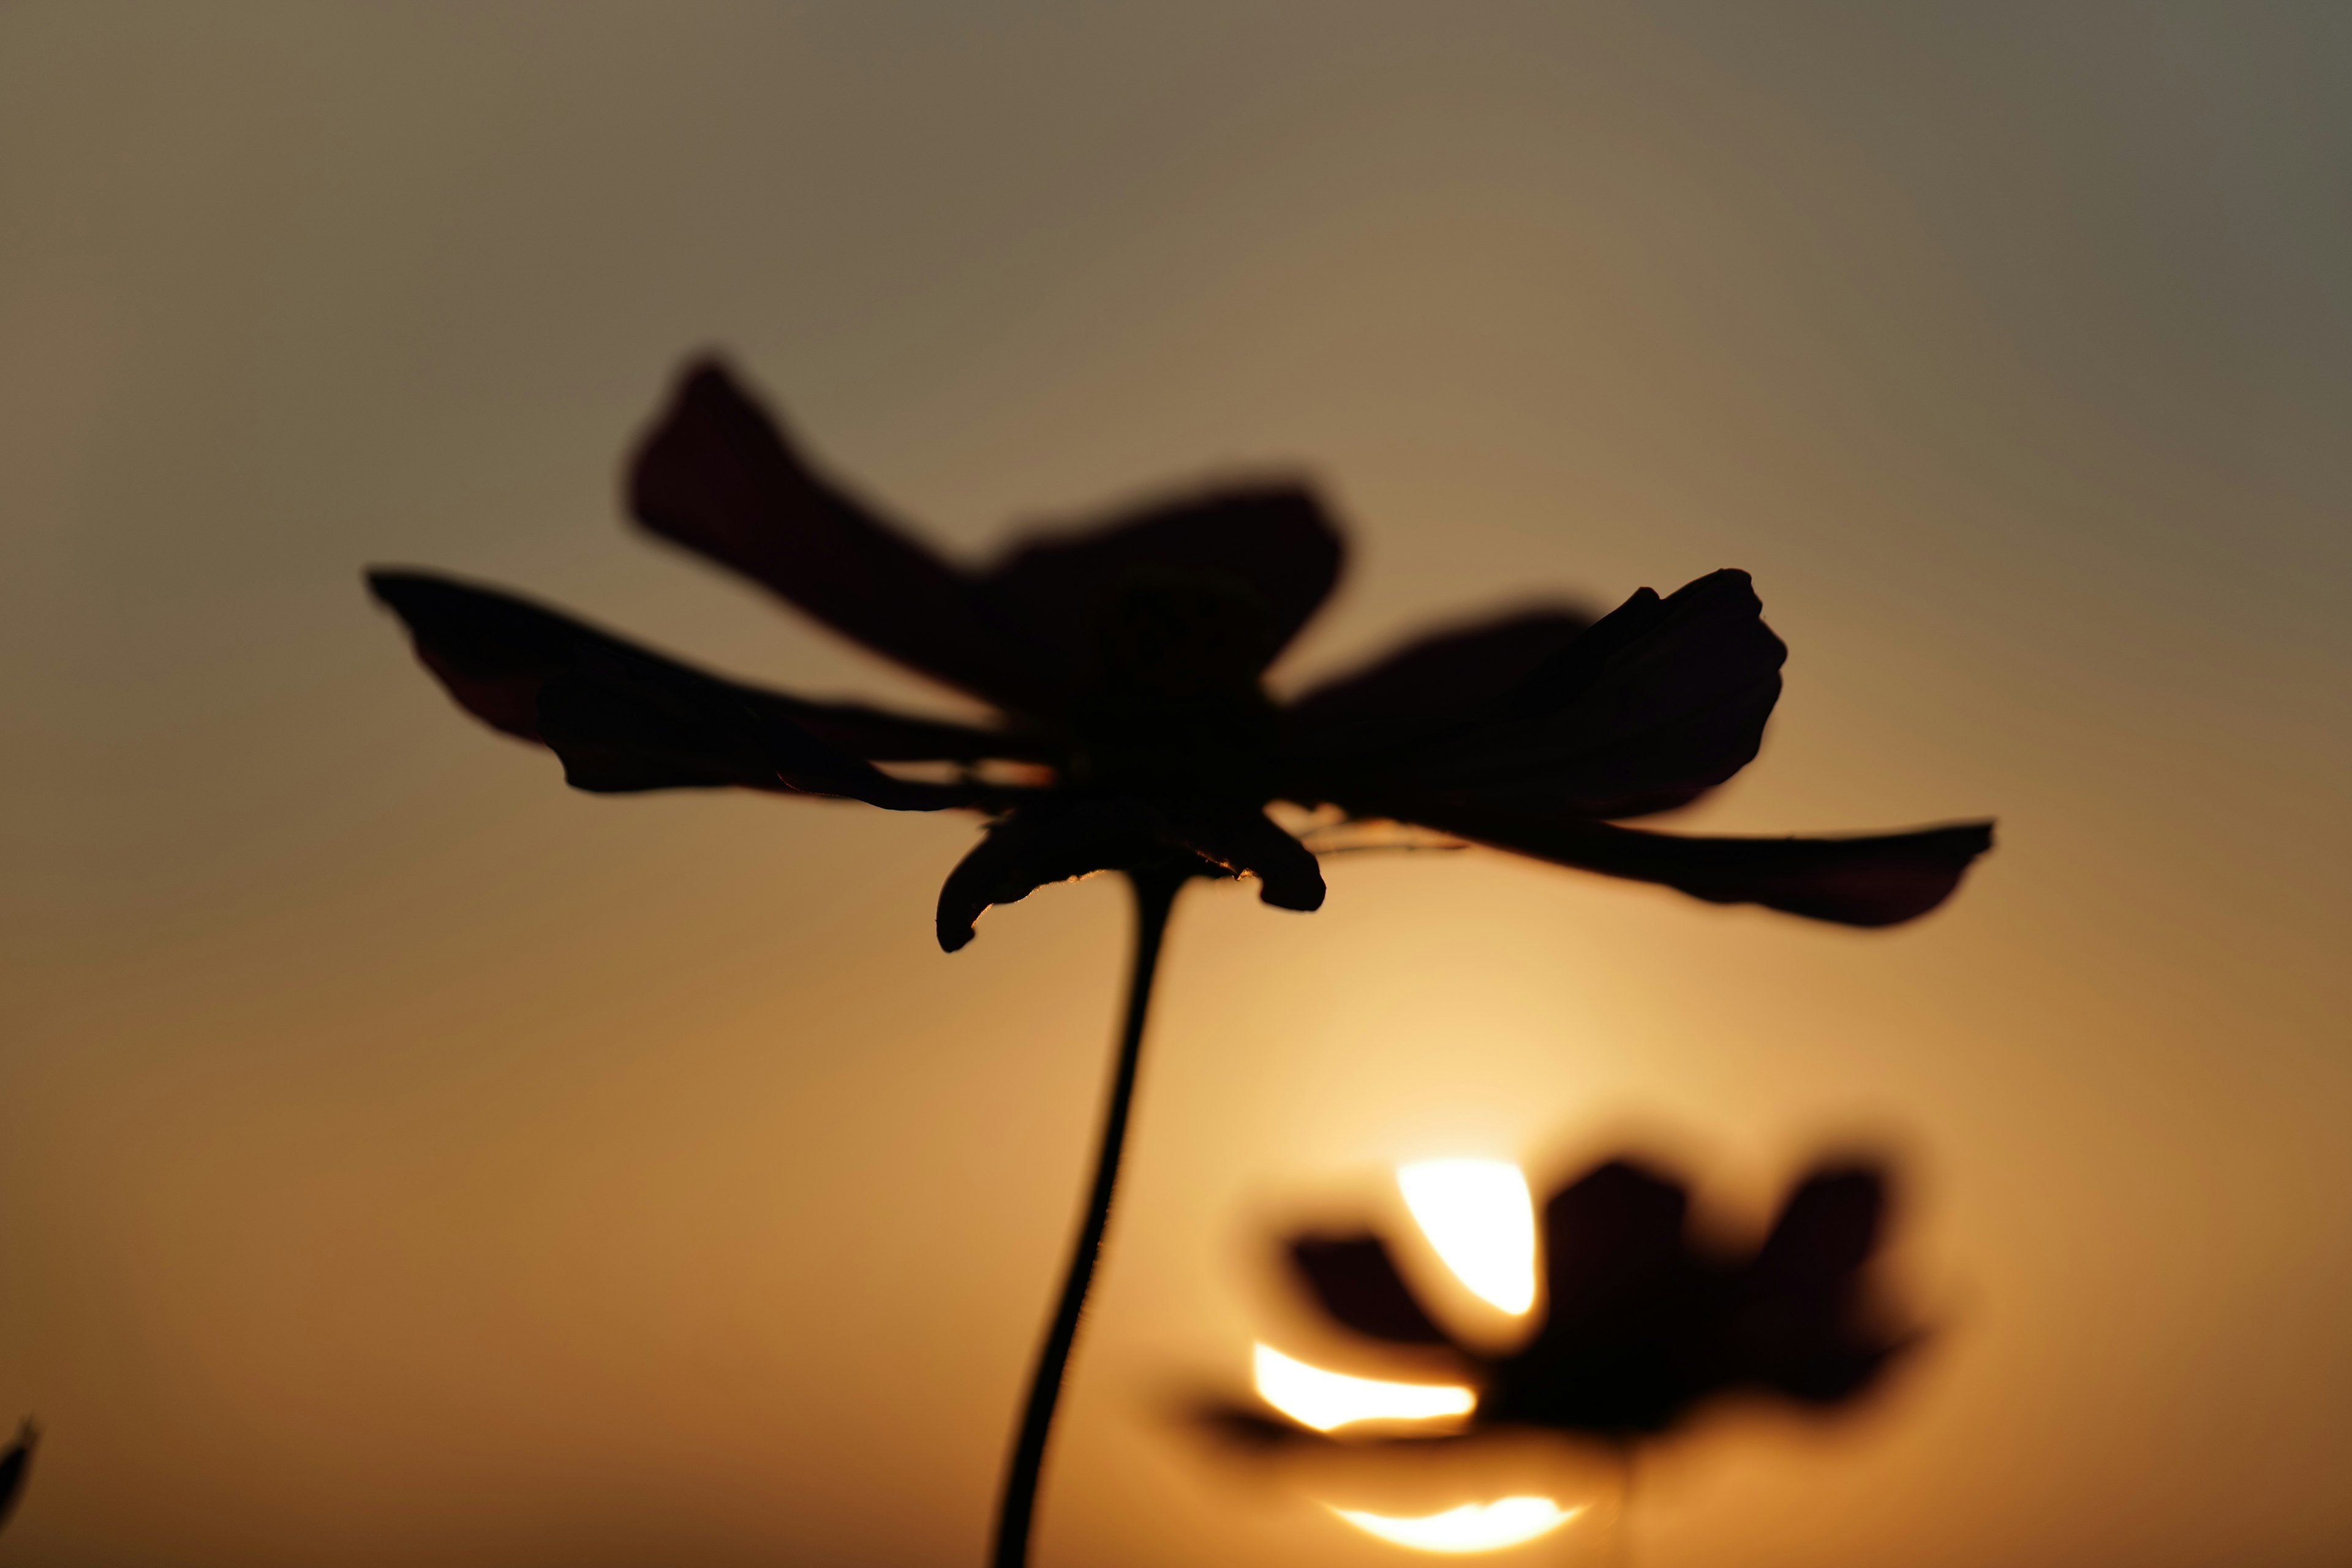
[403,1159]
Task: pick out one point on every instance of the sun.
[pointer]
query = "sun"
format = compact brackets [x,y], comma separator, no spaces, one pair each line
[1481,1219]
[1327,1400]
[1473,1527]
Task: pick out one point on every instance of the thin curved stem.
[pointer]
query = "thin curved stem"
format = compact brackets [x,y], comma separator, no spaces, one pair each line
[1155,894]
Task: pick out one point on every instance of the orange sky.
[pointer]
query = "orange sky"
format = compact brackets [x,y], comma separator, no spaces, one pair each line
[403,1159]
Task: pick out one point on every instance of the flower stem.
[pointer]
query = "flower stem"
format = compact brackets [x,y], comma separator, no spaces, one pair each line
[1155,894]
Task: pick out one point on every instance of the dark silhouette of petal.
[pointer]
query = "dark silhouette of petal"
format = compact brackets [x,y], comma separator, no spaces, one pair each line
[493,650]
[1271,544]
[1626,1341]
[1797,1325]
[1355,1281]
[879,736]
[717,475]
[1828,1366]
[16,1463]
[1656,705]
[1053,840]
[1243,839]
[1610,1239]
[620,733]
[1659,702]
[1428,684]
[1827,1229]
[617,735]
[1870,880]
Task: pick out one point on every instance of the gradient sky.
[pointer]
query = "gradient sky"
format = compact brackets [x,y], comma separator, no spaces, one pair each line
[403,1159]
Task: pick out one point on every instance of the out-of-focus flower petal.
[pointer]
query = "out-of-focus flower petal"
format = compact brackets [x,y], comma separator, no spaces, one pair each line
[1053,840]
[1832,1368]
[1244,839]
[1878,879]
[1354,1279]
[1270,543]
[495,651]
[717,476]
[1827,1229]
[1658,702]
[1797,1325]
[1429,683]
[1610,1239]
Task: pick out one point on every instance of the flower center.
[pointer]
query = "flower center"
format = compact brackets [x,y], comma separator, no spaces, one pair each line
[1175,708]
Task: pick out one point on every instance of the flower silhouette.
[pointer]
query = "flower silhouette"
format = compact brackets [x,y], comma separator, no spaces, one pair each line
[1134,734]
[1641,1324]
[1126,663]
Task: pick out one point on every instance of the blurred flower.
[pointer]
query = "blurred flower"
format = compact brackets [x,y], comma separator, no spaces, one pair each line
[1641,1324]
[15,1462]
[1126,662]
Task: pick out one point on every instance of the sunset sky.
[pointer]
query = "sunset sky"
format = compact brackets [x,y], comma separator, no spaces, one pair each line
[404,1159]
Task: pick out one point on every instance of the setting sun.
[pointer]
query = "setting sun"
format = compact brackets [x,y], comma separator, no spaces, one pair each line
[1325,1400]
[1473,1527]
[1479,1216]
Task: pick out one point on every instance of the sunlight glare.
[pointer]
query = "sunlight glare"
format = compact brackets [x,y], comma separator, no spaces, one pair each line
[1473,1527]
[1323,1400]
[1480,1217]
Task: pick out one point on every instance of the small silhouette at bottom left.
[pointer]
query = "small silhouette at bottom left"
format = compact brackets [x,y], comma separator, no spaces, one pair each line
[14,1463]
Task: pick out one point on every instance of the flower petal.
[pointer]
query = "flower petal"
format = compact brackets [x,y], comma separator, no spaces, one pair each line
[717,476]
[624,718]
[1658,702]
[1827,1229]
[1431,681]
[620,732]
[1797,1325]
[1879,880]
[1273,544]
[1355,1281]
[1610,1239]
[493,650]
[1052,840]
[1245,839]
